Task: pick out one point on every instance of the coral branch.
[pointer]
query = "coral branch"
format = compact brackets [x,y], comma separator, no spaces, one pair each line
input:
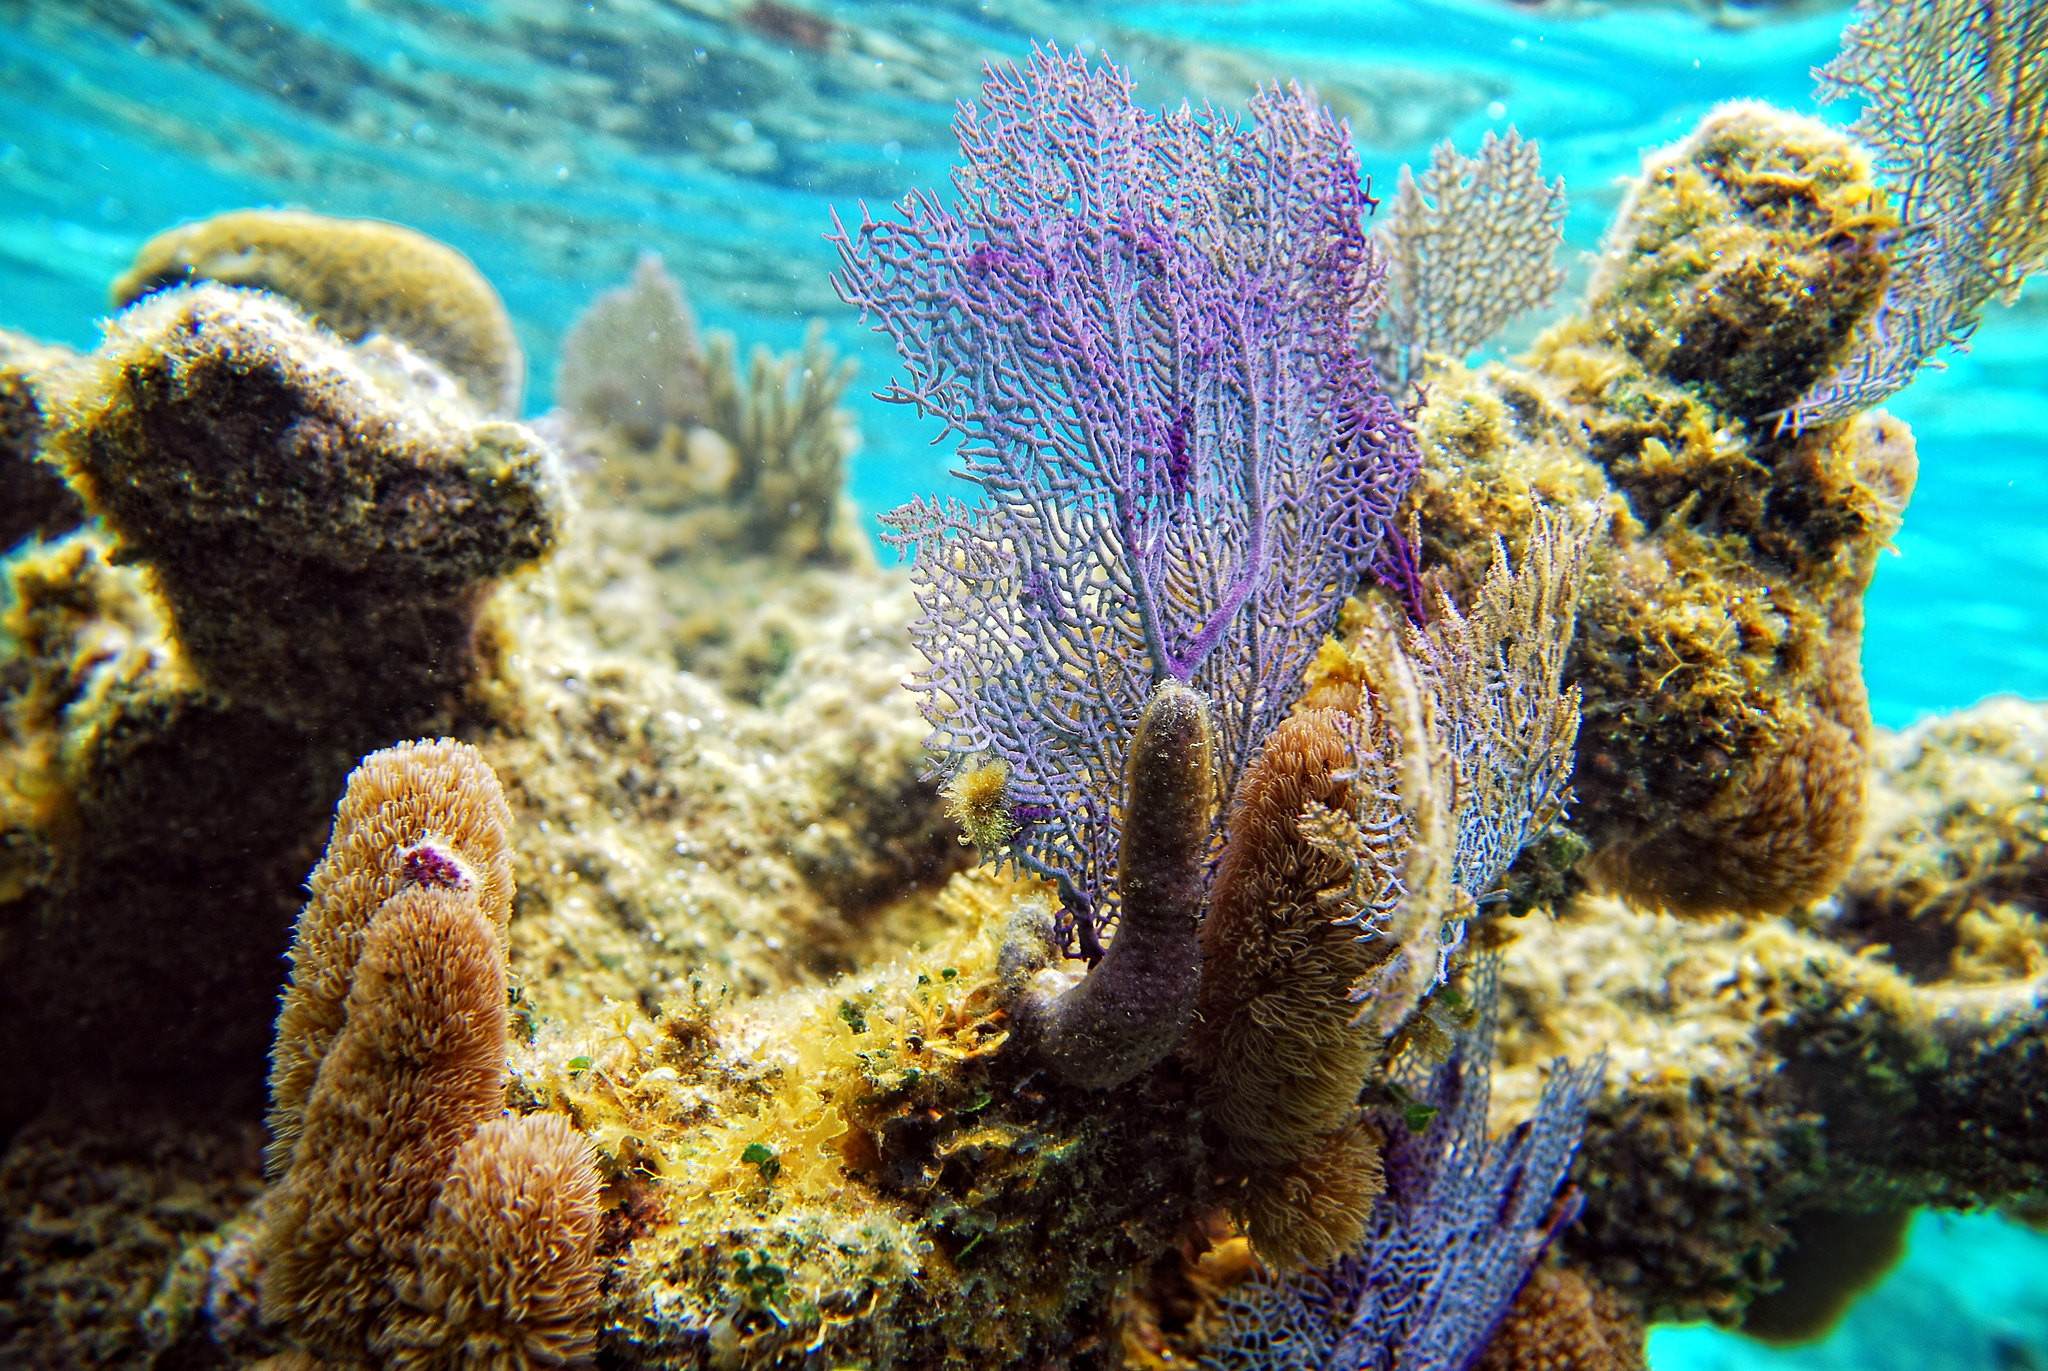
[1470,245]
[1464,1220]
[1956,108]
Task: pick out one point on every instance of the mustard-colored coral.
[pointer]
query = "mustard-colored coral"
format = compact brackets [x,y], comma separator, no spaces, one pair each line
[357,277]
[1564,1321]
[411,1226]
[407,811]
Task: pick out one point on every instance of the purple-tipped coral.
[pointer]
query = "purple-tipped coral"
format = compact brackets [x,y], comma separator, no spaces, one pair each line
[1142,328]
[1463,1221]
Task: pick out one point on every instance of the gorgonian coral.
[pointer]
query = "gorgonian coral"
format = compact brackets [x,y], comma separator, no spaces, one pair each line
[1956,107]
[1142,329]
[1462,1222]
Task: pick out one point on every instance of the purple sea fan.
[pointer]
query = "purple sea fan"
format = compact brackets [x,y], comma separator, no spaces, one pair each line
[1464,1220]
[1141,328]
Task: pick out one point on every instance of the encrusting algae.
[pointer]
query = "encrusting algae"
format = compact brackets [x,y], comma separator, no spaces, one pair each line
[646,1016]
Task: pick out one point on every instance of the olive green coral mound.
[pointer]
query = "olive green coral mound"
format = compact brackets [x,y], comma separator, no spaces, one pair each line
[294,539]
[1723,757]
[355,276]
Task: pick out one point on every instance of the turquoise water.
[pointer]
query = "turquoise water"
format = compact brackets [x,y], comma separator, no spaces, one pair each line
[553,142]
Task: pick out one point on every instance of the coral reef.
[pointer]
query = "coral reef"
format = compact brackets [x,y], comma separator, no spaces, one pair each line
[1177,447]
[1765,1074]
[748,1072]
[357,278]
[1723,757]
[745,467]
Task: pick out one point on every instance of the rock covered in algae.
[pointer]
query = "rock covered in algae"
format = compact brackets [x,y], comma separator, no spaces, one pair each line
[1767,1073]
[293,540]
[1724,753]
[1953,877]
[33,497]
[357,278]
[220,430]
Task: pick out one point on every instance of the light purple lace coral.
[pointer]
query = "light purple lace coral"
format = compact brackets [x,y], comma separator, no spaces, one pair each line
[1463,1222]
[1141,329]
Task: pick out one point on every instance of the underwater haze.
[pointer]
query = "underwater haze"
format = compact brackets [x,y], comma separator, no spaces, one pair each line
[555,143]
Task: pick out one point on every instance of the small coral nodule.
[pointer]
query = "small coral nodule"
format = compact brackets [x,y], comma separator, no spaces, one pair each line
[978,798]
[1126,1014]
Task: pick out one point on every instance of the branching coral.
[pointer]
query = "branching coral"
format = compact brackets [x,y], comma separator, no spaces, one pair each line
[417,813]
[1470,245]
[632,360]
[1142,327]
[1956,107]
[412,1226]
[357,277]
[749,464]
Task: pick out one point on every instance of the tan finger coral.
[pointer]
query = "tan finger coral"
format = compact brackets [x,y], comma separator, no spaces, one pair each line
[412,813]
[357,277]
[417,1069]
[412,1225]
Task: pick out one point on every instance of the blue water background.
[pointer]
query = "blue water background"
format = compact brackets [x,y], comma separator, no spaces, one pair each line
[118,119]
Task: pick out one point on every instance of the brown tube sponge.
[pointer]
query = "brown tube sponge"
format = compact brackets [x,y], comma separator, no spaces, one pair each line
[408,810]
[1124,1016]
[357,277]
